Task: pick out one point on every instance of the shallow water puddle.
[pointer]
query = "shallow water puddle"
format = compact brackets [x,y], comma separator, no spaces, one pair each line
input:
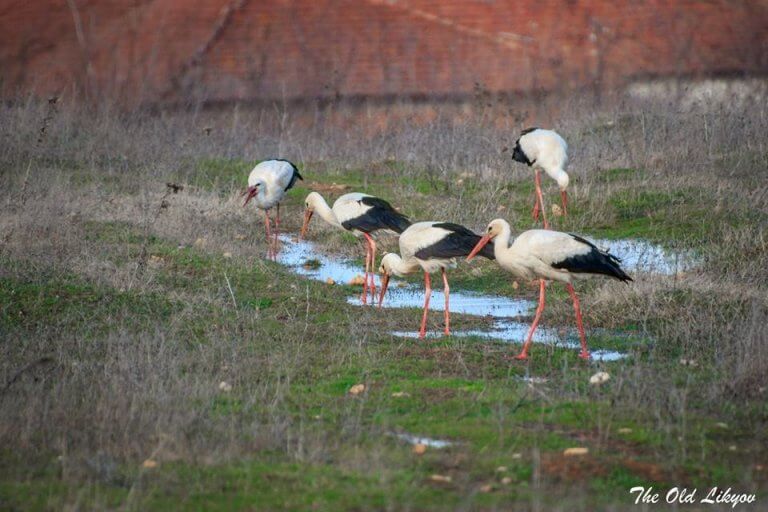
[469,303]
[637,255]
[515,332]
[296,254]
[426,441]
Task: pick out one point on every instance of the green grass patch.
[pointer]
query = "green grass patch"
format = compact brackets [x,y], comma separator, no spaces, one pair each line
[66,302]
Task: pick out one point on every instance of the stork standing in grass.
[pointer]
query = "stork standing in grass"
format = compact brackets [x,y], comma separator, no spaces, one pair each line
[430,246]
[549,256]
[361,215]
[267,185]
[544,149]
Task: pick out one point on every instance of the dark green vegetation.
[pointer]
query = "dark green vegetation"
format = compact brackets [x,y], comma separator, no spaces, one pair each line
[151,358]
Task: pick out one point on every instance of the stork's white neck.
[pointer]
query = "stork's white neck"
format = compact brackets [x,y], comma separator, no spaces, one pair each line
[399,267]
[501,241]
[562,179]
[325,212]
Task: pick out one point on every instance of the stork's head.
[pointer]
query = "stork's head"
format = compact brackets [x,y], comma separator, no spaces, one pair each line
[310,203]
[388,262]
[312,200]
[494,229]
[252,190]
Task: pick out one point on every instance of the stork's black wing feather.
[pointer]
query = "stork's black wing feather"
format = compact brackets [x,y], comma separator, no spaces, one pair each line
[517,153]
[459,243]
[593,262]
[381,215]
[376,202]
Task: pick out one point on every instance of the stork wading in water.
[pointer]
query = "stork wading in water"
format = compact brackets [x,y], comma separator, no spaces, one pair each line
[544,149]
[549,256]
[267,185]
[430,246]
[361,215]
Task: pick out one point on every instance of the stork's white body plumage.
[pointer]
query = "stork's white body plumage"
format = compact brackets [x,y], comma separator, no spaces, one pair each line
[417,237]
[274,178]
[267,184]
[549,256]
[533,253]
[429,246]
[546,150]
[360,214]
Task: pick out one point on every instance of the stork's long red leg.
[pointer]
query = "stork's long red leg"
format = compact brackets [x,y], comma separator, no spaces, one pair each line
[584,354]
[277,229]
[269,233]
[536,208]
[540,202]
[529,339]
[427,293]
[447,293]
[364,296]
[372,273]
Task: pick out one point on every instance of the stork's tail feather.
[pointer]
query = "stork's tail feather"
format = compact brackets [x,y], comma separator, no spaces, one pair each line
[596,261]
[612,267]
[295,176]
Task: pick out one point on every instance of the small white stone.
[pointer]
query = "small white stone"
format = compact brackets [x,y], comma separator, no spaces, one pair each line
[577,451]
[599,378]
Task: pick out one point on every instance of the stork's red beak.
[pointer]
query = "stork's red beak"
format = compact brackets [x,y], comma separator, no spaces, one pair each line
[384,284]
[564,195]
[479,247]
[251,193]
[307,218]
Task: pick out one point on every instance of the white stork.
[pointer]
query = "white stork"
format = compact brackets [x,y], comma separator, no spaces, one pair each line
[544,149]
[267,185]
[429,246]
[549,256]
[361,215]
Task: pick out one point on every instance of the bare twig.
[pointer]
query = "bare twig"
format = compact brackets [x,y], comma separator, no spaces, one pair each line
[34,364]
[231,293]
[170,188]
